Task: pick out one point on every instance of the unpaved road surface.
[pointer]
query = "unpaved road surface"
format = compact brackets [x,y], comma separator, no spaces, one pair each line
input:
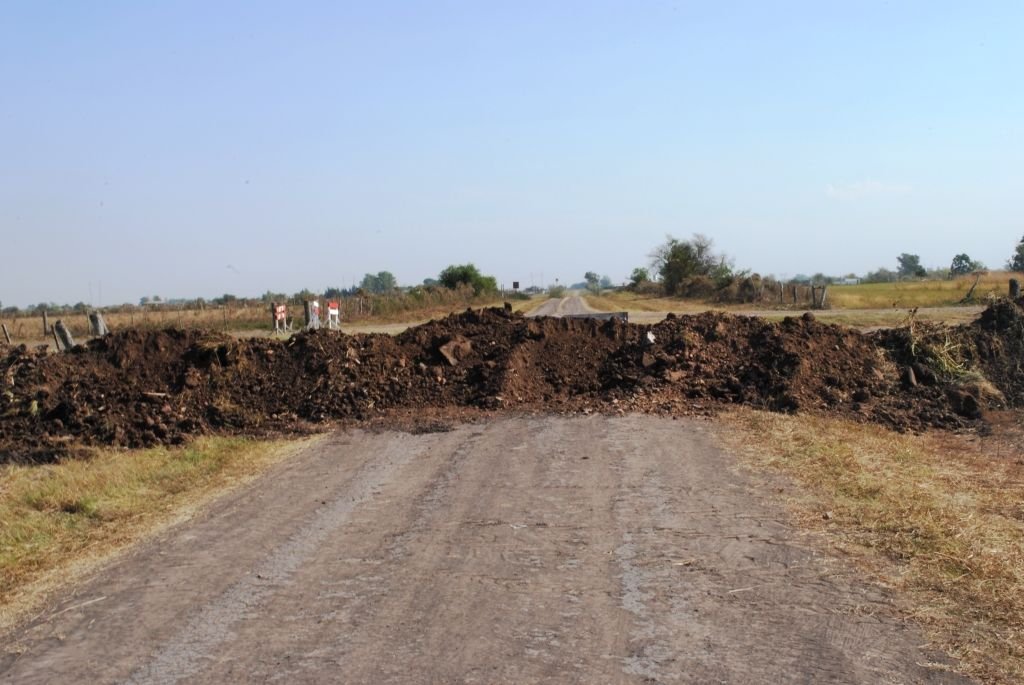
[572,304]
[563,550]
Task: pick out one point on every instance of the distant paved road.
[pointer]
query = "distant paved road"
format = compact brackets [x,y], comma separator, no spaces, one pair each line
[573,304]
[522,550]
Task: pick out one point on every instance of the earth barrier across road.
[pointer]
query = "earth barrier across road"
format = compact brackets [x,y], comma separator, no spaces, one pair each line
[593,550]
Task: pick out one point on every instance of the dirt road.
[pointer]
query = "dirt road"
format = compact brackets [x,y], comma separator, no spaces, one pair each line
[589,550]
[571,304]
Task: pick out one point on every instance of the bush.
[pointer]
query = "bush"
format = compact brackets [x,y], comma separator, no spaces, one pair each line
[697,286]
[651,288]
[467,274]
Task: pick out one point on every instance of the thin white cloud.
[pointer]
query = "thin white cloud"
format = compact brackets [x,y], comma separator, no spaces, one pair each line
[859,190]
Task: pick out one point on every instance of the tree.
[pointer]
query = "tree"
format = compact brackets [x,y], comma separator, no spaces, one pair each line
[676,261]
[269,297]
[909,266]
[639,275]
[593,281]
[467,274]
[1016,262]
[381,282]
[386,281]
[963,264]
[821,279]
[883,275]
[606,282]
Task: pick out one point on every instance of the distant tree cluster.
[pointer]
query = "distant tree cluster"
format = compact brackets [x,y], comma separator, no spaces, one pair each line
[687,266]
[379,283]
[640,275]
[458,275]
[909,266]
[962,264]
[595,283]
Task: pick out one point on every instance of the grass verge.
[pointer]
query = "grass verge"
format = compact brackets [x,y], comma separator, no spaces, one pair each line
[939,518]
[59,520]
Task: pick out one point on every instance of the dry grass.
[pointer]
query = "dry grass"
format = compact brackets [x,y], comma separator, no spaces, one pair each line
[937,517]
[626,300]
[862,306]
[643,309]
[907,294]
[60,519]
[242,321]
[891,318]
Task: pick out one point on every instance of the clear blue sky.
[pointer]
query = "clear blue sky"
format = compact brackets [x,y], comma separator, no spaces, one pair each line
[194,148]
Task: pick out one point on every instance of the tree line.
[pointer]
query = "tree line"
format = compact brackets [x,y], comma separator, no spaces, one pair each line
[693,268]
[456,277]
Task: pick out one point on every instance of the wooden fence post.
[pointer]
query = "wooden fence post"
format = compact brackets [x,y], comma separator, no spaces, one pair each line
[7,335]
[1014,289]
[46,325]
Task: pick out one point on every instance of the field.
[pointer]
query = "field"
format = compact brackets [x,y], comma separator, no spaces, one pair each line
[908,294]
[651,310]
[863,306]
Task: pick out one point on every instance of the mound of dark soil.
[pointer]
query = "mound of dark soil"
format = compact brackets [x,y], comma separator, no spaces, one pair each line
[146,388]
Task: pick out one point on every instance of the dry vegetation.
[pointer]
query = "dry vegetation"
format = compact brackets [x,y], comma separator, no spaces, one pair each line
[866,305]
[248,320]
[929,293]
[937,517]
[645,309]
[63,516]
[626,300]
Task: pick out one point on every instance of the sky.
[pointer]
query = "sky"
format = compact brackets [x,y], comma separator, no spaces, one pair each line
[187,149]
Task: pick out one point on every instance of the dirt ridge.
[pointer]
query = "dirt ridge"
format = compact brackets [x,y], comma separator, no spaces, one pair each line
[141,388]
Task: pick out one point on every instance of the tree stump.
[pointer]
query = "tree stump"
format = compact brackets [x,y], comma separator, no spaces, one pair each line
[1014,289]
